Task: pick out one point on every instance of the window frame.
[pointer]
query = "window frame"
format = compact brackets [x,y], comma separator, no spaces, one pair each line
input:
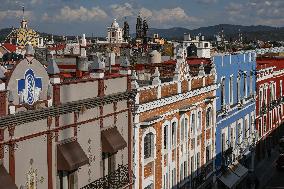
[149,151]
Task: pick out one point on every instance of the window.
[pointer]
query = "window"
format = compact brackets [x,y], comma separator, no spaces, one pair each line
[208,154]
[281,88]
[199,120]
[223,92]
[271,92]
[264,124]
[260,127]
[181,172]
[173,177]
[192,164]
[265,95]
[232,137]
[252,124]
[250,82]
[205,45]
[245,85]
[174,137]
[260,100]
[238,88]
[246,128]
[182,130]
[166,137]
[239,133]
[231,92]
[223,142]
[198,160]
[192,128]
[209,117]
[185,127]
[166,181]
[185,169]
[149,145]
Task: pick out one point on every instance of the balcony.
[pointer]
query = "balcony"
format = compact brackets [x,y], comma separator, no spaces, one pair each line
[118,179]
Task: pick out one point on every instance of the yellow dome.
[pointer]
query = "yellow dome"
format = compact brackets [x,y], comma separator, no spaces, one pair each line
[26,36]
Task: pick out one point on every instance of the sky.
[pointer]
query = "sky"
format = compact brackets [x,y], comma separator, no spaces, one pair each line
[75,17]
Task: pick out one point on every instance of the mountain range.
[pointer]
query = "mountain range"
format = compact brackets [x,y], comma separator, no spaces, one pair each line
[231,32]
[259,32]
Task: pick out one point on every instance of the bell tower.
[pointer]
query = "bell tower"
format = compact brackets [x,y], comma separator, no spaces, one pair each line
[24,23]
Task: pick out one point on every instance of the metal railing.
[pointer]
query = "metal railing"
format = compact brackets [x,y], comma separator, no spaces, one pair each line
[69,107]
[118,179]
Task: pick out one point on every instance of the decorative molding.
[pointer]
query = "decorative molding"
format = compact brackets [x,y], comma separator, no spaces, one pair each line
[165,101]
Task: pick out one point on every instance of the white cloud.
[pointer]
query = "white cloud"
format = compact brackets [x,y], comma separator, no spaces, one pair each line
[68,14]
[12,14]
[146,13]
[121,11]
[34,2]
[172,15]
[161,16]
[234,9]
[207,1]
[264,12]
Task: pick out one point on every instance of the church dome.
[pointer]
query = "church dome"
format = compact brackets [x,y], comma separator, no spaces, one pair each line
[115,24]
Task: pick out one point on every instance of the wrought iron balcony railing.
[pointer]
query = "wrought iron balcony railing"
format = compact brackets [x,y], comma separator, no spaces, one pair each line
[118,179]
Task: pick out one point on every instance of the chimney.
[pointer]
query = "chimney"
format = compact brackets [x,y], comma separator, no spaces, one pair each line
[53,71]
[97,66]
[125,66]
[156,77]
[83,46]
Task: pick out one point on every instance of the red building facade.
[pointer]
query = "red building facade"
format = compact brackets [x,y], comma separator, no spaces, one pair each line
[269,103]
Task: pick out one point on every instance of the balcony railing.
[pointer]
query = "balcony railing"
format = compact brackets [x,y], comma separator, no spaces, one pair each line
[117,179]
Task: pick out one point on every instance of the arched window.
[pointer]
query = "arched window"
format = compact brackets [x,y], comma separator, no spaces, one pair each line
[209,117]
[192,128]
[182,130]
[238,88]
[166,137]
[149,145]
[223,92]
[174,134]
[185,127]
[199,120]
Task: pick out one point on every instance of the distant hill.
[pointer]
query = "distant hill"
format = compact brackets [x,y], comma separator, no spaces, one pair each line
[231,31]
[265,33]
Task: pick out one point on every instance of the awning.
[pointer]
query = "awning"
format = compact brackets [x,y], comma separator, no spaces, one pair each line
[229,179]
[6,181]
[240,170]
[112,141]
[234,175]
[70,156]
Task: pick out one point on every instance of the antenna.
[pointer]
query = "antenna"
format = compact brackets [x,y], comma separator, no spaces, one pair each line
[23,8]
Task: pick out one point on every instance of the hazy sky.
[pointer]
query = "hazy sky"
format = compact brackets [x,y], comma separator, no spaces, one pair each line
[74,17]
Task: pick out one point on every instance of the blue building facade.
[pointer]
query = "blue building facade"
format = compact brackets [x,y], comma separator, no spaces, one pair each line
[235,106]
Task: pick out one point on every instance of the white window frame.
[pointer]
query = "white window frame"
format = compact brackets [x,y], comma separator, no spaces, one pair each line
[231,90]
[168,124]
[240,131]
[245,84]
[199,121]
[150,159]
[250,82]
[193,127]
[223,91]
[281,88]
[174,143]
